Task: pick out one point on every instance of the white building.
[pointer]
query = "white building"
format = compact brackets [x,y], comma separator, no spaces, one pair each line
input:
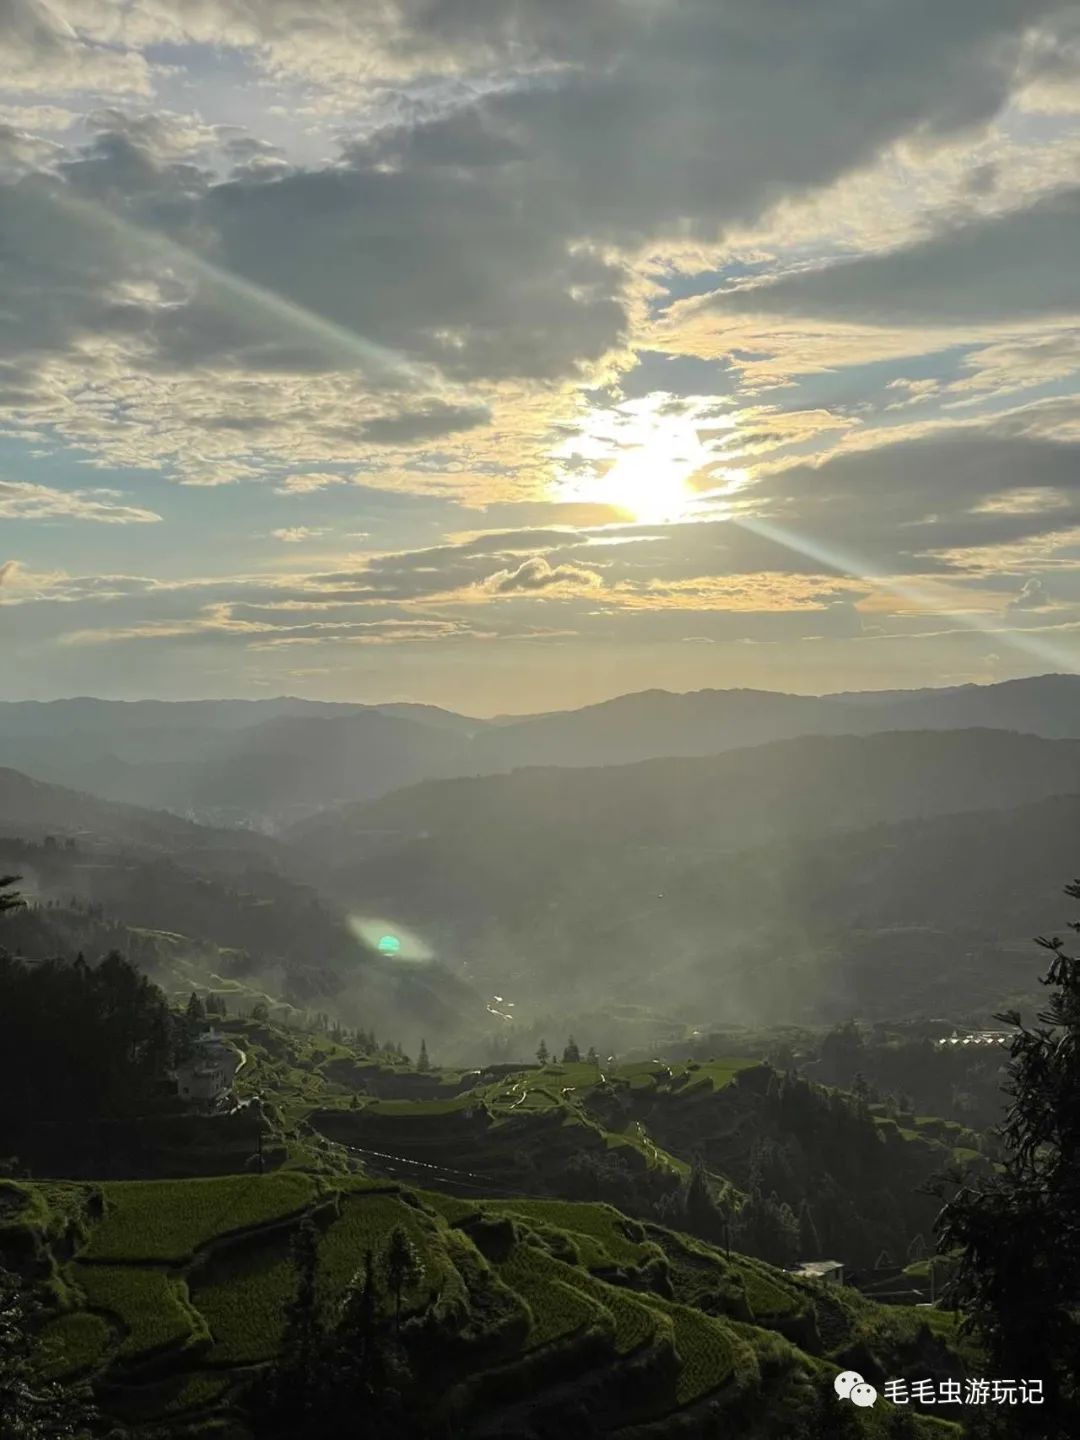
[830,1271]
[206,1078]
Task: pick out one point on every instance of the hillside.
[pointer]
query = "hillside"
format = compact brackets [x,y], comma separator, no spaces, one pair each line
[274,761]
[737,882]
[33,809]
[214,768]
[170,1296]
[705,722]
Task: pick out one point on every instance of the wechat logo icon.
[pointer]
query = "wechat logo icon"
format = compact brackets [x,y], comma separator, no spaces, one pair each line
[850,1385]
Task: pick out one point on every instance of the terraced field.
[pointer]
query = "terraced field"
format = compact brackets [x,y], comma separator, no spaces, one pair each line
[174,1299]
[168,1220]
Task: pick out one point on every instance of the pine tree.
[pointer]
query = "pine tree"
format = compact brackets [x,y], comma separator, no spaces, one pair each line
[356,1333]
[571,1054]
[423,1064]
[542,1052]
[1016,1235]
[592,1058]
[303,1341]
[196,1010]
[402,1268]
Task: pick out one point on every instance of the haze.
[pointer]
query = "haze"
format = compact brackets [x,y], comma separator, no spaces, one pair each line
[509,358]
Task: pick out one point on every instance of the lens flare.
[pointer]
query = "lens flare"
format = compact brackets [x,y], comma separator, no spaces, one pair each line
[388,938]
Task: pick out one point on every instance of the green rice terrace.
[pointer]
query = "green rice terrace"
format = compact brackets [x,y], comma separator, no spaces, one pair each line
[169,1295]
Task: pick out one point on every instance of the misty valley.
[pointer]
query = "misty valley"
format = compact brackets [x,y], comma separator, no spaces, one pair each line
[532,1086]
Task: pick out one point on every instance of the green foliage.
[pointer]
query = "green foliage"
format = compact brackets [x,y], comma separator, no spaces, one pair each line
[151,1305]
[198,1392]
[558,1309]
[168,1220]
[610,1233]
[401,1265]
[71,1343]
[636,1323]
[1016,1234]
[243,1303]
[33,1406]
[367,1222]
[706,1348]
[111,1026]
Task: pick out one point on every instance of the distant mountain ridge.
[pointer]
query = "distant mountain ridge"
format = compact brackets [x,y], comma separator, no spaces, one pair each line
[271,762]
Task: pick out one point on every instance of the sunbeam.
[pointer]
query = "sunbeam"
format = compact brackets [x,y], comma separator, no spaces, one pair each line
[847,564]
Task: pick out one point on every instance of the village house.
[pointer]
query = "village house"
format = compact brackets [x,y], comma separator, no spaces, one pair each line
[207,1076]
[830,1271]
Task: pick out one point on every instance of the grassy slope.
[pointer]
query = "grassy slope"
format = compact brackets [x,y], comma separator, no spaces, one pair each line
[198,1296]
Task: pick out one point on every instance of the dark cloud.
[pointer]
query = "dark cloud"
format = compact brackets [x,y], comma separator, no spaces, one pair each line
[896,505]
[427,423]
[467,237]
[1007,267]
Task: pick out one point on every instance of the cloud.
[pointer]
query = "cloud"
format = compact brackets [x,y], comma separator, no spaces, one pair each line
[537,575]
[43,51]
[1033,596]
[9,572]
[20,500]
[484,228]
[429,423]
[294,534]
[1012,267]
[307,484]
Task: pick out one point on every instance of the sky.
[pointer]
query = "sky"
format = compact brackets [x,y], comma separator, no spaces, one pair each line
[509,356]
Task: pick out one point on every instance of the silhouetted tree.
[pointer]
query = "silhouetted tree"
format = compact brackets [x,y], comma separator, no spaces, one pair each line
[356,1335]
[196,1010]
[571,1054]
[592,1057]
[402,1265]
[291,1403]
[542,1052]
[423,1064]
[1016,1234]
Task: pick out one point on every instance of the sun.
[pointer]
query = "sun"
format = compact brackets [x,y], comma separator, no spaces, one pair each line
[639,460]
[648,483]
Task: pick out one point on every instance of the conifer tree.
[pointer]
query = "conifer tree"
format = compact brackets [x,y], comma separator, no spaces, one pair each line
[402,1268]
[1016,1234]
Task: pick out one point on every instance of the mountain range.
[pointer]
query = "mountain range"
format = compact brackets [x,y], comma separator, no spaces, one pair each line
[267,763]
[891,858]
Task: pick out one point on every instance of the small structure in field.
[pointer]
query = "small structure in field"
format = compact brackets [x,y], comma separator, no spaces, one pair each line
[829,1271]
